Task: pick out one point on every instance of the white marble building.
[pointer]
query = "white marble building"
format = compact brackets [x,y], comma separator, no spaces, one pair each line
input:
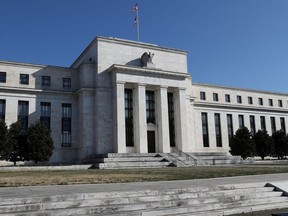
[113,101]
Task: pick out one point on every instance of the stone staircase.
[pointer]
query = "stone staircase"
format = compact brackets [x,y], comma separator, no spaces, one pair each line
[200,201]
[219,158]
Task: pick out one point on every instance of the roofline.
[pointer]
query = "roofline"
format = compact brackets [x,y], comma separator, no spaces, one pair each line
[127,42]
[30,64]
[238,88]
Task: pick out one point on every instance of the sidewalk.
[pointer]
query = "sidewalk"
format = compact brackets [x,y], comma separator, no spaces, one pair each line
[40,191]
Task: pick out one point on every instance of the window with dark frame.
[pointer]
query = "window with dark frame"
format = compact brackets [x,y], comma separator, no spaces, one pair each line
[171,119]
[45,117]
[23,113]
[150,107]
[202,96]
[66,124]
[129,117]
[252,125]
[46,81]
[250,100]
[218,130]
[239,99]
[260,101]
[2,77]
[24,79]
[270,101]
[230,127]
[227,98]
[215,96]
[273,125]
[66,83]
[263,123]
[205,131]
[283,126]
[2,109]
[280,104]
[241,121]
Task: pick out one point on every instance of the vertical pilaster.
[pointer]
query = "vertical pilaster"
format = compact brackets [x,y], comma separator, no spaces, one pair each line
[140,124]
[163,121]
[180,119]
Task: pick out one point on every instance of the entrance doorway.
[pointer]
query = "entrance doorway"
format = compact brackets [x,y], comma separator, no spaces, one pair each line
[151,141]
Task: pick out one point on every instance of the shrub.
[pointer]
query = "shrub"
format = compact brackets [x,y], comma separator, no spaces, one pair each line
[280,144]
[264,144]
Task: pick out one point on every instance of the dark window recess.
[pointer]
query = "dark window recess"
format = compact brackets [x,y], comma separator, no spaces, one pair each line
[205,131]
[2,110]
[171,119]
[283,126]
[215,97]
[230,127]
[46,81]
[227,98]
[260,101]
[24,79]
[263,123]
[2,77]
[252,125]
[23,112]
[150,107]
[202,95]
[45,117]
[280,104]
[66,83]
[250,100]
[241,121]
[218,130]
[239,99]
[66,125]
[270,101]
[129,117]
[273,125]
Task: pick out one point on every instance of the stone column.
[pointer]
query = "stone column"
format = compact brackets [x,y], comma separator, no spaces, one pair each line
[163,121]
[120,118]
[180,119]
[140,122]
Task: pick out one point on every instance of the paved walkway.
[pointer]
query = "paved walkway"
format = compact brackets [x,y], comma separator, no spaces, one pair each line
[41,191]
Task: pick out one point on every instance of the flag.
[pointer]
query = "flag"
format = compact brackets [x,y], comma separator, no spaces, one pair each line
[135,8]
[135,20]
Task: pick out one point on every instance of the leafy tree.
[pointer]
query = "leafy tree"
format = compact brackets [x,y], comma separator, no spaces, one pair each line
[281,144]
[15,150]
[39,143]
[3,140]
[242,143]
[264,144]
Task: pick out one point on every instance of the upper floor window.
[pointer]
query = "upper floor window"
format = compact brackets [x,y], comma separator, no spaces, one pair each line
[67,83]
[227,98]
[46,81]
[250,100]
[270,101]
[260,101]
[280,104]
[215,97]
[3,77]
[239,99]
[24,79]
[202,96]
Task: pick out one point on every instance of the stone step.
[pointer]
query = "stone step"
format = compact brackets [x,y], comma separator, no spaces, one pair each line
[136,164]
[119,155]
[128,159]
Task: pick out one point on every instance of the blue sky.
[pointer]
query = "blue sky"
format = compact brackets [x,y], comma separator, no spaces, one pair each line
[241,43]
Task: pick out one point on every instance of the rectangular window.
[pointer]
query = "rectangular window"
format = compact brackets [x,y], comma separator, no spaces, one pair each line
[205,129]
[215,97]
[227,98]
[2,77]
[241,121]
[150,107]
[46,81]
[273,125]
[171,119]
[129,117]
[218,130]
[250,100]
[66,124]
[23,112]
[230,127]
[270,101]
[202,96]
[283,127]
[2,110]
[66,83]
[239,99]
[24,79]
[280,104]
[45,117]
[252,125]
[260,101]
[263,123]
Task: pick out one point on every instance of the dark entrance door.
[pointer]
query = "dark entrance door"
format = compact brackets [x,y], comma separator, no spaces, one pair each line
[151,141]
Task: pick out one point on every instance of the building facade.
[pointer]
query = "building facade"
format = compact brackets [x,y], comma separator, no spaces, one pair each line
[126,97]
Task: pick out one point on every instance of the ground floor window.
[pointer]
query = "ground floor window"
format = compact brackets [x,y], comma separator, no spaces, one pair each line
[205,131]
[129,117]
[171,119]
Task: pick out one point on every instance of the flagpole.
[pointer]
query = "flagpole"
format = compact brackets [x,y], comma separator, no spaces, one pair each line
[138,31]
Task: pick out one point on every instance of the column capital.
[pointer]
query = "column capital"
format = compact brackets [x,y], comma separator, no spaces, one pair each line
[120,83]
[141,84]
[182,89]
[163,87]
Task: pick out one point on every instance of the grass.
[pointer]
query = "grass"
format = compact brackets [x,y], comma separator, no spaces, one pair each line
[32,178]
